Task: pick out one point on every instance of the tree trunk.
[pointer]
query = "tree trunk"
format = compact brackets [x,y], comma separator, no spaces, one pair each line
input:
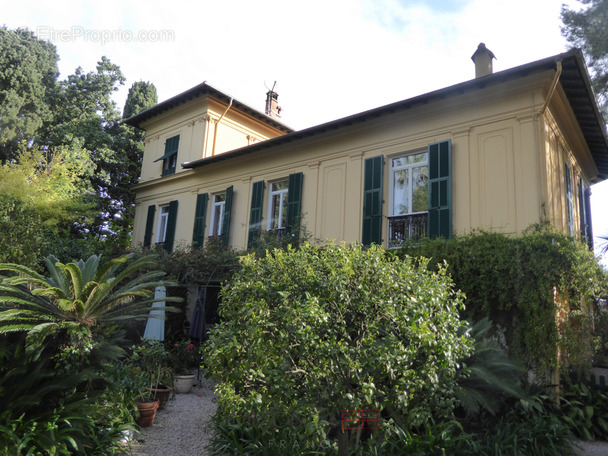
[343,438]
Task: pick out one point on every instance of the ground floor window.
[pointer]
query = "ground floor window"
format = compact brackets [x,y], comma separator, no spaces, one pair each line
[218,206]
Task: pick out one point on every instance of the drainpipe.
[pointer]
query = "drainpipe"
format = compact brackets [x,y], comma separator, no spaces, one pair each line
[558,73]
[216,124]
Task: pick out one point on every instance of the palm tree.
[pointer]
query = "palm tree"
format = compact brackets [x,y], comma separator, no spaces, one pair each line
[604,249]
[79,299]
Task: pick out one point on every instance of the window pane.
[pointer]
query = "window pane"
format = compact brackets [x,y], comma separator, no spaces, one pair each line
[401,199]
[418,158]
[281,185]
[276,204]
[217,220]
[217,217]
[283,214]
[420,189]
[398,162]
[162,224]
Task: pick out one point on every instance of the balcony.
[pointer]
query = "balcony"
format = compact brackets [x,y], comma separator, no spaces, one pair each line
[403,227]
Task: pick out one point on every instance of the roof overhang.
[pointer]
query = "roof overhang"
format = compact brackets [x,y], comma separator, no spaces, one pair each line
[198,92]
[574,80]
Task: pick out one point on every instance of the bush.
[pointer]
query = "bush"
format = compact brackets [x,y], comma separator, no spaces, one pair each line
[310,333]
[585,411]
[43,411]
[531,427]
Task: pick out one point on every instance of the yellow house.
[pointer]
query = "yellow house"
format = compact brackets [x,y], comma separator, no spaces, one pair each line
[499,152]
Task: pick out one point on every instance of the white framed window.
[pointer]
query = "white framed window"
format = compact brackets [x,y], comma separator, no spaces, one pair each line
[277,205]
[163,217]
[408,197]
[218,206]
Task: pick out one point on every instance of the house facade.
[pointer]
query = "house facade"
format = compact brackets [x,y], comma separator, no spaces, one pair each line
[499,152]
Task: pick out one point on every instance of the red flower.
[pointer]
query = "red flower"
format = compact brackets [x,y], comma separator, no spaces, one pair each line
[175,345]
[190,347]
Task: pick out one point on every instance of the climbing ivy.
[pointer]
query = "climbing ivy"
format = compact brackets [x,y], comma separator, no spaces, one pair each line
[539,287]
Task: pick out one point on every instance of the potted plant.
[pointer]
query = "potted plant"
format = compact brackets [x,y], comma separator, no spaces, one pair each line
[151,358]
[184,358]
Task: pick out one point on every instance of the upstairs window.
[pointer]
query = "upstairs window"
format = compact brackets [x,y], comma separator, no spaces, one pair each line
[169,158]
[408,198]
[277,205]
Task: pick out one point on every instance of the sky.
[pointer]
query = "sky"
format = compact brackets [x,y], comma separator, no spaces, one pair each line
[329,58]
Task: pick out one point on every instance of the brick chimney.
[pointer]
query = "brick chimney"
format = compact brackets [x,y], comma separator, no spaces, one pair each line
[272,104]
[483,61]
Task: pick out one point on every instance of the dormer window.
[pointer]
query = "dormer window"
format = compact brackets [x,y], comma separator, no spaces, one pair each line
[169,158]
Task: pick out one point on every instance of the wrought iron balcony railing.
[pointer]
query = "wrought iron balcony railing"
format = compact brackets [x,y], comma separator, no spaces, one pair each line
[403,227]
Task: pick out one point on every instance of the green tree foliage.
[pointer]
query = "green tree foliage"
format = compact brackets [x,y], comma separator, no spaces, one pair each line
[28,82]
[37,109]
[128,146]
[142,96]
[587,28]
[43,412]
[307,334]
[51,183]
[525,284]
[88,116]
[21,233]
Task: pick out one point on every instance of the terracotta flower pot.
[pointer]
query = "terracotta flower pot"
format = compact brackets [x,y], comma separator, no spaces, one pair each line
[161,392]
[183,383]
[147,413]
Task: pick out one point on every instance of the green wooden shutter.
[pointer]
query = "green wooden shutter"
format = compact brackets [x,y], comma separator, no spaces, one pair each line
[588,225]
[372,200]
[255,217]
[149,225]
[171,147]
[294,199]
[200,215]
[170,156]
[440,189]
[226,221]
[569,202]
[171,223]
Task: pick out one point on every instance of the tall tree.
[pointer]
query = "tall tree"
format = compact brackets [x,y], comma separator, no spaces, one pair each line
[142,95]
[89,116]
[28,82]
[587,28]
[129,148]
[36,109]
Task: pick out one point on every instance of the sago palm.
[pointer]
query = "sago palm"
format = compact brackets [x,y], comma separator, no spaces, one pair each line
[78,297]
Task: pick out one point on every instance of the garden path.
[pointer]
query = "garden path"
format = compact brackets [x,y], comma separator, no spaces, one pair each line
[181,428]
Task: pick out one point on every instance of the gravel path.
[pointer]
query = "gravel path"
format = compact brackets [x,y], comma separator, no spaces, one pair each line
[592,448]
[181,428]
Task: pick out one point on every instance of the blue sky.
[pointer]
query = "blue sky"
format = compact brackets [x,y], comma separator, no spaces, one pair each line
[330,58]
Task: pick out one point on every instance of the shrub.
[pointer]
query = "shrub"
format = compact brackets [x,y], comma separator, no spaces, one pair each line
[585,411]
[531,427]
[307,334]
